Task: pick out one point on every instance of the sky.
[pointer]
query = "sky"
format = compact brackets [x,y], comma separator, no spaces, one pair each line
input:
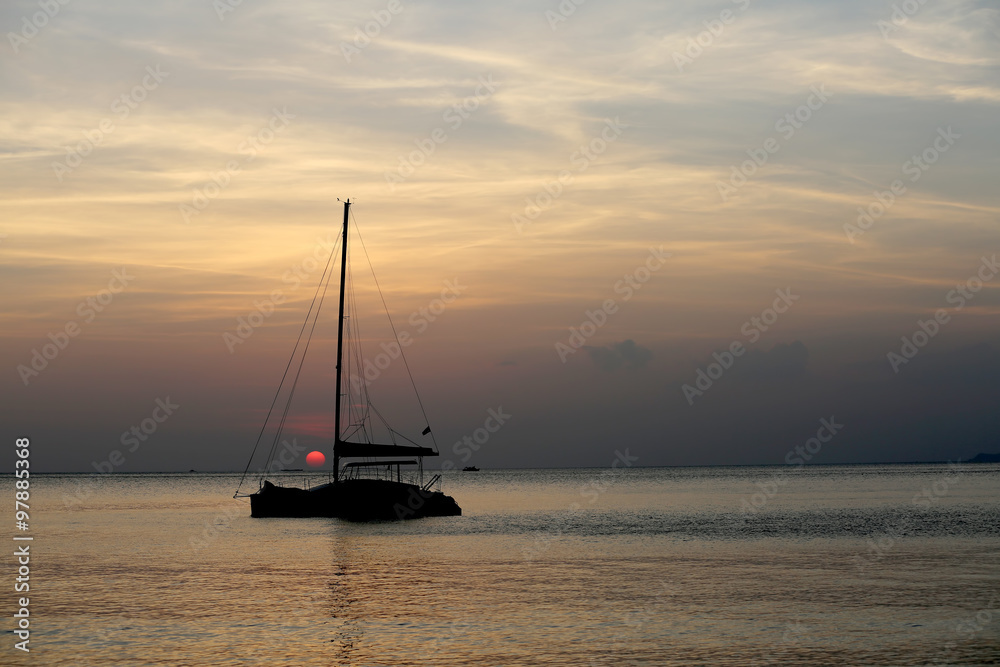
[701,233]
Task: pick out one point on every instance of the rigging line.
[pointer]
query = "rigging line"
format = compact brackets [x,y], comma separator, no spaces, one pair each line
[354,354]
[327,274]
[362,410]
[355,413]
[283,375]
[403,436]
[348,362]
[406,364]
[288,401]
[378,414]
[302,361]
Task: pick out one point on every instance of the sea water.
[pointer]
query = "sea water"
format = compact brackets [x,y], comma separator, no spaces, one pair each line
[821,565]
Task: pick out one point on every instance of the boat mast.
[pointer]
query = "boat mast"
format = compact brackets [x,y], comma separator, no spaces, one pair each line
[340,347]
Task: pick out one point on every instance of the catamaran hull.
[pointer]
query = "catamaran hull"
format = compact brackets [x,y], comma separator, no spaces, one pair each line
[354,500]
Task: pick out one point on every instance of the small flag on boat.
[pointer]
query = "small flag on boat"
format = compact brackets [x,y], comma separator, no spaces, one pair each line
[426,431]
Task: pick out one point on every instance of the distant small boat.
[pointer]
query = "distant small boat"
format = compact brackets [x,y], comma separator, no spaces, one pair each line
[470,469]
[368,490]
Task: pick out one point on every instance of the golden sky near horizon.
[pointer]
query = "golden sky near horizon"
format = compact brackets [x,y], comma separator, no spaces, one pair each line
[533,154]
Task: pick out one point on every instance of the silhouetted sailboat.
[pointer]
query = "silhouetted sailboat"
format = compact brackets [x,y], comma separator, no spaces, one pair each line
[362,490]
